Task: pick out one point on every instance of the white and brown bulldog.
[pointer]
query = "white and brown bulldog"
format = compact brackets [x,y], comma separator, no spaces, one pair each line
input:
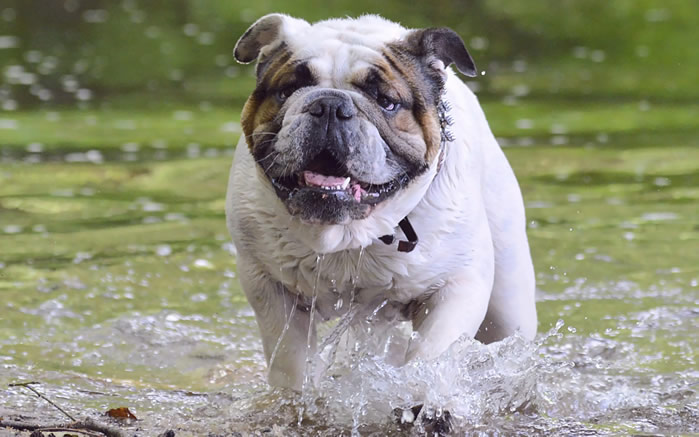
[358,132]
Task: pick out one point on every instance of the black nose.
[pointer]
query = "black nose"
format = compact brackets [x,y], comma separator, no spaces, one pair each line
[335,107]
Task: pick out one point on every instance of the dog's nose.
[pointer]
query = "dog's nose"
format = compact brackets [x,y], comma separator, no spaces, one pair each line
[333,107]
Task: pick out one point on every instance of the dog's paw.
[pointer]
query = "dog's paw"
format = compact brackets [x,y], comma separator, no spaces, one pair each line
[405,417]
[434,422]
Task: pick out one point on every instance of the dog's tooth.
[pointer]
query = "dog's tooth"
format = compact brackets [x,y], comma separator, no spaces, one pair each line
[345,183]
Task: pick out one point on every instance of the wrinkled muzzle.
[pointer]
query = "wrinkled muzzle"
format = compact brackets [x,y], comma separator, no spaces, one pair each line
[329,163]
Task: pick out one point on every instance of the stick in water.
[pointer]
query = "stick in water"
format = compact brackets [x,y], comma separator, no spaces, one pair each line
[27,385]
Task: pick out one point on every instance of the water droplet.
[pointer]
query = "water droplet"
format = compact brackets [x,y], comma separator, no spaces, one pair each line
[35,147]
[8,41]
[407,416]
[163,250]
[199,297]
[182,115]
[81,256]
[6,123]
[479,43]
[12,229]
[203,264]
[95,15]
[661,182]
[524,123]
[9,105]
[83,94]
[520,90]
[94,156]
[580,52]
[231,127]
[190,29]
[597,56]
[205,38]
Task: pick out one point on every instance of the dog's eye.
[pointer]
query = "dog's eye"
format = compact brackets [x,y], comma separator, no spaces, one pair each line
[386,103]
[285,93]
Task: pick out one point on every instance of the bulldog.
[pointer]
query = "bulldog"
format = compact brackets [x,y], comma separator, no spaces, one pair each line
[367,177]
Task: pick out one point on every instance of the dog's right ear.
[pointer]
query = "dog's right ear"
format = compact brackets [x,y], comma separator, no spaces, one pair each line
[441,44]
[265,33]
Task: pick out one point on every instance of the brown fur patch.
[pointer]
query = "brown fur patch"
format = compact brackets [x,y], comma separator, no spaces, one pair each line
[423,109]
[261,110]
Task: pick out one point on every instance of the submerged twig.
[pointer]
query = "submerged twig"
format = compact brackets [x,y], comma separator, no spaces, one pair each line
[66,431]
[93,425]
[88,427]
[19,426]
[27,385]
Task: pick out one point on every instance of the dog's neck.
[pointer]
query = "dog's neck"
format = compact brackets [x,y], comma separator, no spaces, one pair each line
[445,137]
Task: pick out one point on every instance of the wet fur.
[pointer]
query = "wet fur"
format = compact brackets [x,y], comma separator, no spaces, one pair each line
[471,272]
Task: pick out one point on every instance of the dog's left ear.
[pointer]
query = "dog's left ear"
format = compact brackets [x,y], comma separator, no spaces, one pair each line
[441,44]
[265,33]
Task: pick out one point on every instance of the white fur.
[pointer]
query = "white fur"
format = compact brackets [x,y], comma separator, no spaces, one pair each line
[471,267]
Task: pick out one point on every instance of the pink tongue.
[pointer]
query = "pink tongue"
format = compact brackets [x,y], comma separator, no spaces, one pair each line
[319,180]
[357,192]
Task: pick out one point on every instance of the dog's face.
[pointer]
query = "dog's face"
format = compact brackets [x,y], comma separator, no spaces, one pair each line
[344,116]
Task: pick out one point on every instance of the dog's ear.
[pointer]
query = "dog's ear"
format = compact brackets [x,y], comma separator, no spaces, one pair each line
[267,32]
[441,44]
[263,32]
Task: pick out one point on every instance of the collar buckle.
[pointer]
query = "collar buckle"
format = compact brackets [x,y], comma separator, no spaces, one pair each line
[410,234]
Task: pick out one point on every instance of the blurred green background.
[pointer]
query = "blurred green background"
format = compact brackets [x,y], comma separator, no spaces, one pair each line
[623,49]
[148,57]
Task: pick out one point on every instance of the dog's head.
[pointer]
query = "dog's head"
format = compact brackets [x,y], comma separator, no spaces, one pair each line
[344,115]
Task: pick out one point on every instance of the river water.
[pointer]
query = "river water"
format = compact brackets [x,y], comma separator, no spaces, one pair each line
[118,285]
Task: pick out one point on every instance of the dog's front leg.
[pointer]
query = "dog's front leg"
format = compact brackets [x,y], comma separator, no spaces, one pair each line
[458,308]
[284,326]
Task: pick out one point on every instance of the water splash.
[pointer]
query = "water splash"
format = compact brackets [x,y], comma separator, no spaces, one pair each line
[359,387]
[471,380]
[358,391]
[309,373]
[290,314]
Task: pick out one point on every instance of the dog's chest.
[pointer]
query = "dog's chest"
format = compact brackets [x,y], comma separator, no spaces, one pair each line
[363,275]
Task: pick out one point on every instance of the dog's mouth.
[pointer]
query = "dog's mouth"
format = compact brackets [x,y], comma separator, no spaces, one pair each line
[329,179]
